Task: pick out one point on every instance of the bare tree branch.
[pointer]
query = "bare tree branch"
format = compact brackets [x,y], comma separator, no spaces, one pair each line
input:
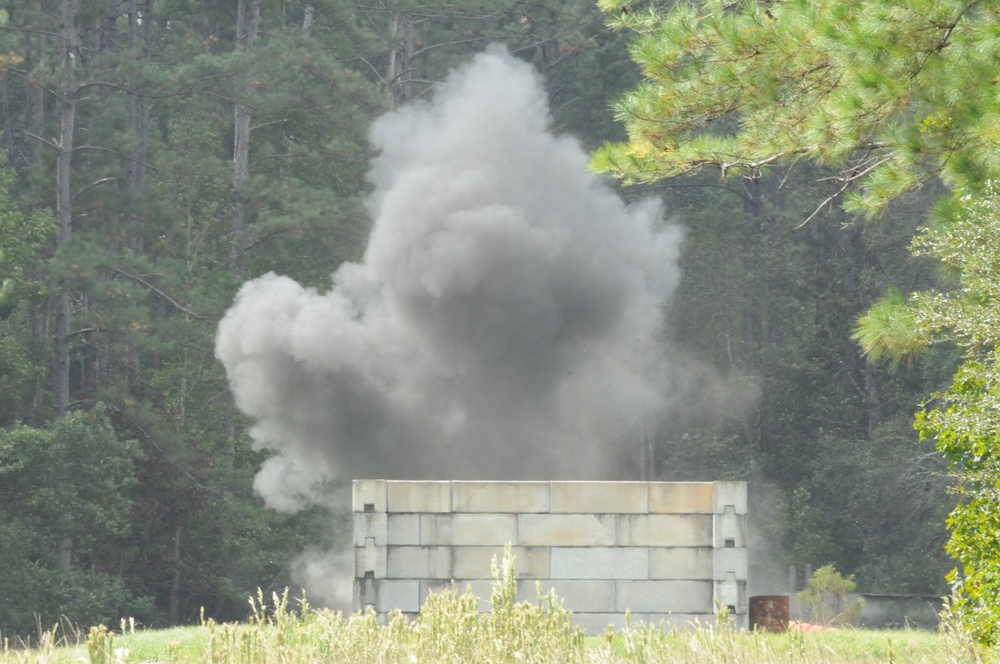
[847,180]
[99,148]
[43,140]
[93,184]
[172,301]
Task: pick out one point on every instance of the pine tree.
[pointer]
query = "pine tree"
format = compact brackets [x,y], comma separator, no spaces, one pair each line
[890,92]
[894,96]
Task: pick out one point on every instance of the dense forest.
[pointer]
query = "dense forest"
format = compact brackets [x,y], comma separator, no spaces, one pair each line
[160,153]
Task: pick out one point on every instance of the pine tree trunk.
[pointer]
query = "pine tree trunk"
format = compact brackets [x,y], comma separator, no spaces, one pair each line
[175,581]
[405,85]
[64,212]
[399,69]
[138,124]
[390,70]
[64,217]
[135,168]
[307,20]
[246,32]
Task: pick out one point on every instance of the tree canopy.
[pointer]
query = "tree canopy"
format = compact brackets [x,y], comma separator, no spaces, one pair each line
[893,96]
[892,93]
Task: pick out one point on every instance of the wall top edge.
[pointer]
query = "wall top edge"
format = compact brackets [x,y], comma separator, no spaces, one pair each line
[553,496]
[657,482]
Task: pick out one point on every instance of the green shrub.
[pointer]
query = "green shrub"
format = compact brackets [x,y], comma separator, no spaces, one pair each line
[826,598]
[69,480]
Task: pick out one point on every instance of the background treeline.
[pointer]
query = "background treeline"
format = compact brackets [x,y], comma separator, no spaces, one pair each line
[160,152]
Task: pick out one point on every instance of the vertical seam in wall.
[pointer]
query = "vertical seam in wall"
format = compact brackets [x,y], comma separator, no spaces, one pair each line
[724,521]
[548,487]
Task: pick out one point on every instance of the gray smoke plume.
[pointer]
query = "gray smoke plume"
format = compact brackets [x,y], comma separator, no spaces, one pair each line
[503,324]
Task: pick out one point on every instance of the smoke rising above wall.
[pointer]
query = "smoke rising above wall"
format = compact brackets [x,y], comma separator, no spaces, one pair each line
[503,323]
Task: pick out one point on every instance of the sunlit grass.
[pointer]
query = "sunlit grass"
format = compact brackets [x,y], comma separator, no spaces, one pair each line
[451,635]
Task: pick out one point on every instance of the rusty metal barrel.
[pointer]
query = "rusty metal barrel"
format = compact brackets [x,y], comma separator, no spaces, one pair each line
[769,613]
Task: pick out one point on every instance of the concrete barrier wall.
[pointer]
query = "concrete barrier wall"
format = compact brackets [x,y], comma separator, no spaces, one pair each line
[665,551]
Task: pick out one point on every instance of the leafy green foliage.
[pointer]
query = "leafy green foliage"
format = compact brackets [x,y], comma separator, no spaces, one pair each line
[826,598]
[964,420]
[71,479]
[25,236]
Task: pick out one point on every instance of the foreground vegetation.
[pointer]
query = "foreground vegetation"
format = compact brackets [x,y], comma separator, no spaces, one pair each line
[451,629]
[327,637]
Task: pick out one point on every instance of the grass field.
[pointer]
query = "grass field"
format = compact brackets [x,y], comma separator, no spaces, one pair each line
[324,637]
[451,629]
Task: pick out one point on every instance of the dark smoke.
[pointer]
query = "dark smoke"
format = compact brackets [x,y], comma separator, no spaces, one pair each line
[503,323]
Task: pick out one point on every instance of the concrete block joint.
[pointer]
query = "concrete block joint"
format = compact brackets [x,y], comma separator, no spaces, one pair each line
[668,552]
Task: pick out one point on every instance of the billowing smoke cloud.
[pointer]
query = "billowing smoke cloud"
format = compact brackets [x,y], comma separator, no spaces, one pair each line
[503,323]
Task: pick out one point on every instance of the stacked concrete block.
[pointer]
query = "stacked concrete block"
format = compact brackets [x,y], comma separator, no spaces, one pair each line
[668,552]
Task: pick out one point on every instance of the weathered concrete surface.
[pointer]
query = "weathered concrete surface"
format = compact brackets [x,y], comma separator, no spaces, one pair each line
[369,495]
[677,562]
[566,529]
[667,552]
[664,530]
[519,497]
[729,493]
[468,529]
[591,596]
[402,594]
[420,562]
[370,560]
[681,497]
[474,562]
[420,497]
[402,529]
[644,596]
[600,498]
[370,526]
[594,562]
[730,529]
